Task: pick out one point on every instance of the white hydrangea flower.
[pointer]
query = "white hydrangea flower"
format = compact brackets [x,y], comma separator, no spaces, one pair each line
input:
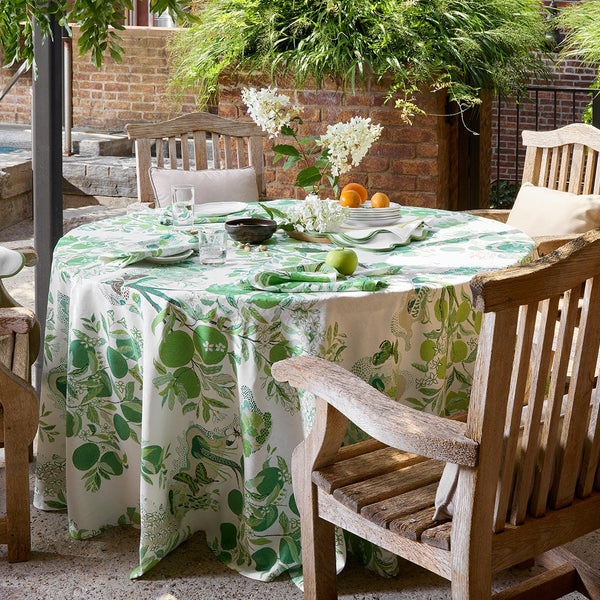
[314,214]
[270,110]
[348,143]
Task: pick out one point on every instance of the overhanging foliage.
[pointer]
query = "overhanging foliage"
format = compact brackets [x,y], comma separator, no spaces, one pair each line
[464,45]
[100,21]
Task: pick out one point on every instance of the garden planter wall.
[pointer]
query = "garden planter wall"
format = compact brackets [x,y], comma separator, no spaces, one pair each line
[423,164]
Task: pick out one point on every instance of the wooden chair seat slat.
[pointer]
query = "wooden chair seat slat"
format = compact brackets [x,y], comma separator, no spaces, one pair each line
[359,448]
[378,462]
[374,489]
[412,526]
[438,536]
[385,511]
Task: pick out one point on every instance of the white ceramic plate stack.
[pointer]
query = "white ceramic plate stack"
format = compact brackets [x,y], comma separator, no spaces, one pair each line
[367,216]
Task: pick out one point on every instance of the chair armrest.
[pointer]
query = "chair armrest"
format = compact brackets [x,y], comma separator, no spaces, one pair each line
[31,257]
[496,214]
[378,415]
[16,319]
[548,243]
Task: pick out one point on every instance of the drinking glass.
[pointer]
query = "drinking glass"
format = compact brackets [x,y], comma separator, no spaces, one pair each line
[182,205]
[212,246]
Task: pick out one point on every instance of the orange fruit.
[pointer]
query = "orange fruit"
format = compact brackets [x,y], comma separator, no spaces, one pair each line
[380,200]
[360,189]
[350,198]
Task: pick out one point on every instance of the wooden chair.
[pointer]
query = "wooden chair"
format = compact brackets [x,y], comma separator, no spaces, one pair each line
[19,346]
[528,479]
[565,159]
[233,144]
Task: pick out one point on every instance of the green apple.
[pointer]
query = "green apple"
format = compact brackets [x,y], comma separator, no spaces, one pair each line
[343,260]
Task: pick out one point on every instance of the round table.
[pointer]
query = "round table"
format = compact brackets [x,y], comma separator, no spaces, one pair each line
[158,408]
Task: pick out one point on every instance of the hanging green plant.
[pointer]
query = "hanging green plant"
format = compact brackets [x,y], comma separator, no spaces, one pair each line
[461,45]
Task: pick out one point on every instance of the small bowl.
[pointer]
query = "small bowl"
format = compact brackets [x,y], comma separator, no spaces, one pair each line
[251,231]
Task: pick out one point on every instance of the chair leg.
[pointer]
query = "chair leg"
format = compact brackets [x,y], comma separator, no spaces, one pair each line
[318,536]
[588,579]
[17,502]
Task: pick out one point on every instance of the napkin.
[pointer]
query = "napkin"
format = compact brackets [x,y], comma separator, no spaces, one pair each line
[168,244]
[381,238]
[318,277]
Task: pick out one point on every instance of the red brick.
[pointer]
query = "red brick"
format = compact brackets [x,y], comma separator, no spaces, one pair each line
[406,151]
[427,150]
[229,111]
[414,167]
[427,184]
[388,182]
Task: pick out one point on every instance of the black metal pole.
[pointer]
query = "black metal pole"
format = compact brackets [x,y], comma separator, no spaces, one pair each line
[47,165]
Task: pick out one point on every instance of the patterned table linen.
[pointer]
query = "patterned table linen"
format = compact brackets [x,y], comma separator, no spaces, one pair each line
[158,408]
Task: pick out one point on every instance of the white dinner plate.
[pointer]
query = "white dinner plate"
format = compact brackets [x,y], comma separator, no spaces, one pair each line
[218,209]
[170,260]
[360,223]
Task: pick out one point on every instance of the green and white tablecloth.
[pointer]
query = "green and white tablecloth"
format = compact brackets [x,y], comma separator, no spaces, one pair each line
[158,407]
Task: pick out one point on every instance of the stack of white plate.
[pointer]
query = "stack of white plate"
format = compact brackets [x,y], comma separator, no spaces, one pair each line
[367,216]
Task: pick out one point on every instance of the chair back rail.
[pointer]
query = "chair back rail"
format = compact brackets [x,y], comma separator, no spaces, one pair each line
[545,453]
[565,159]
[234,145]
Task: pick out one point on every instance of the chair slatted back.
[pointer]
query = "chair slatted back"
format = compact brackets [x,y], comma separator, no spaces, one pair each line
[565,159]
[216,142]
[541,432]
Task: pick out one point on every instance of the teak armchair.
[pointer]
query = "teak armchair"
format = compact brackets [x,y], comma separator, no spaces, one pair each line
[565,159]
[528,478]
[235,144]
[19,346]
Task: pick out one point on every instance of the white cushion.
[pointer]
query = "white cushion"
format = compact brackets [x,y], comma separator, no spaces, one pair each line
[11,262]
[540,211]
[210,185]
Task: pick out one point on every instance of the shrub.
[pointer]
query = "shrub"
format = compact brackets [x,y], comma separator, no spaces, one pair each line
[463,45]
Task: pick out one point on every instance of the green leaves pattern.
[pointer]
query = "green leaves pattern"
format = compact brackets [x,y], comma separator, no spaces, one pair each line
[158,403]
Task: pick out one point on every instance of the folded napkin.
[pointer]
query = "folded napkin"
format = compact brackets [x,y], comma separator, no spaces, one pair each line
[318,277]
[168,244]
[381,238]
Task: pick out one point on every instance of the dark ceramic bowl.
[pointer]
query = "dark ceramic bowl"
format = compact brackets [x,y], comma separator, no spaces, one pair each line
[252,231]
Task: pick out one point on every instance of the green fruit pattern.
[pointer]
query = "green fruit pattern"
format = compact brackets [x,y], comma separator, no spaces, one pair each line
[158,406]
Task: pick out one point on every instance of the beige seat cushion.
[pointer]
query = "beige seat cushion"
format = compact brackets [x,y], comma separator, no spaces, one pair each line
[210,185]
[540,211]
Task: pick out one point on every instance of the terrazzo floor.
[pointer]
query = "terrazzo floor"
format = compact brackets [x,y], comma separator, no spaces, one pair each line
[62,568]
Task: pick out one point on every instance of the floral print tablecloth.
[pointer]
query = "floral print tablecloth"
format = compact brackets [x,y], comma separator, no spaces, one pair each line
[158,408]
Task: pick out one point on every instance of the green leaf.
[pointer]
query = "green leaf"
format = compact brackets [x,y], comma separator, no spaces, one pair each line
[286,150]
[308,177]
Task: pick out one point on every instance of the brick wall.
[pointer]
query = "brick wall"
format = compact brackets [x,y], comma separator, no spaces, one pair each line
[133,90]
[544,110]
[409,163]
